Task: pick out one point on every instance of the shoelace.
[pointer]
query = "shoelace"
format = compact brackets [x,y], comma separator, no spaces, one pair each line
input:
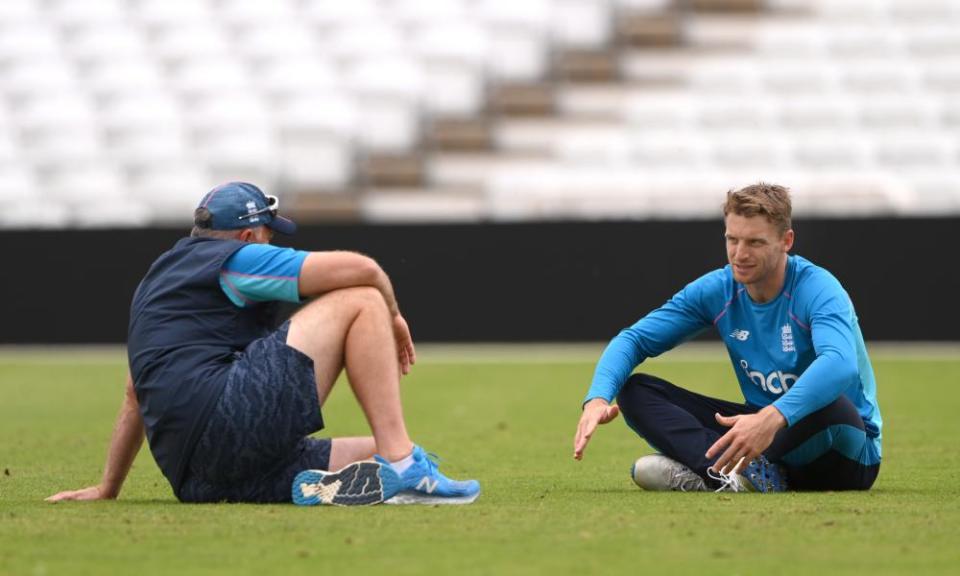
[433,461]
[729,481]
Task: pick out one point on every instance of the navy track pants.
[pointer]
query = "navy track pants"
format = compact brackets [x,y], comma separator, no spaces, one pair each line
[827,450]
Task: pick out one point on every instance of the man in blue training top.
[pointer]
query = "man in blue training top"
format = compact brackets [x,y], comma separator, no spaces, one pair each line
[227,404]
[810,418]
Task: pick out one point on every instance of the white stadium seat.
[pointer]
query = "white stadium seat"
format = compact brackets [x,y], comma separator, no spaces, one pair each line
[517,33]
[123,76]
[790,39]
[39,77]
[745,148]
[897,112]
[315,137]
[55,111]
[683,150]
[35,215]
[418,13]
[581,23]
[162,14]
[295,76]
[650,6]
[879,77]
[332,15]
[941,76]
[18,184]
[190,43]
[210,76]
[734,113]
[108,42]
[18,11]
[172,189]
[816,112]
[86,14]
[830,151]
[656,110]
[864,40]
[366,40]
[276,41]
[788,76]
[251,13]
[27,40]
[905,152]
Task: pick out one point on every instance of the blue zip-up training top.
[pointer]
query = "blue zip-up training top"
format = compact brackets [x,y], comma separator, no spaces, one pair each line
[799,351]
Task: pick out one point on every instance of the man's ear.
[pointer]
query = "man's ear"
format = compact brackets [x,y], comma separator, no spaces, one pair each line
[246,234]
[788,238]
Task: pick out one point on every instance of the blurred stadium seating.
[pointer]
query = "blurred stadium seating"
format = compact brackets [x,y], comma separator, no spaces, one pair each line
[122,112]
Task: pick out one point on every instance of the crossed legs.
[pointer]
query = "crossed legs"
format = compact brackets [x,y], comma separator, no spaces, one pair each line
[827,450]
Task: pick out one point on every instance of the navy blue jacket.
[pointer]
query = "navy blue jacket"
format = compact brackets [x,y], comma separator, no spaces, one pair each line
[184,334]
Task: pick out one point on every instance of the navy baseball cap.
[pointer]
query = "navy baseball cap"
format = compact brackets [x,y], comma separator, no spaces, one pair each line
[238,205]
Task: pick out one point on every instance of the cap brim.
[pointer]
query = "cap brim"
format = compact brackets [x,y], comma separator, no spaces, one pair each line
[283,225]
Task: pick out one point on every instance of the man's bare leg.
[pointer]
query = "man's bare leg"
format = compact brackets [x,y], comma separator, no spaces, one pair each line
[345,451]
[352,328]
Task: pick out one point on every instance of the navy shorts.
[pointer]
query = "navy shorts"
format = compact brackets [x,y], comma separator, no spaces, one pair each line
[255,440]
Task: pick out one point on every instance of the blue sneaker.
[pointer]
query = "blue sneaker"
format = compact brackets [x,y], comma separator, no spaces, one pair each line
[765,476]
[357,484]
[424,484]
[759,475]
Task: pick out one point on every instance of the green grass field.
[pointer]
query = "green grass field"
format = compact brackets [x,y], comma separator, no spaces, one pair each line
[510,425]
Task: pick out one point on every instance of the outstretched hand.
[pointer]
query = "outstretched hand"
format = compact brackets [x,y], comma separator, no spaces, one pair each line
[595,412]
[748,437]
[88,493]
[407,355]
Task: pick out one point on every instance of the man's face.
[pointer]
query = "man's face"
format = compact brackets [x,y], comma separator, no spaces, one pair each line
[755,248]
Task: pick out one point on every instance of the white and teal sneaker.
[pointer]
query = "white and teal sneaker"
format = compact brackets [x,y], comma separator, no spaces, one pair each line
[356,484]
[422,483]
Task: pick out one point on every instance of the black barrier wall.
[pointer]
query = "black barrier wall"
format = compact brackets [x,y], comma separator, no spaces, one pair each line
[504,282]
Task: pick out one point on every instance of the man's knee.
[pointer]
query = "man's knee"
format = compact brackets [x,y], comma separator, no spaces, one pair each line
[363,297]
[840,411]
[636,390]
[350,300]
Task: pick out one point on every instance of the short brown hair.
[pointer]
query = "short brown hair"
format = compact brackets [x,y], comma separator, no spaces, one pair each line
[202,222]
[768,200]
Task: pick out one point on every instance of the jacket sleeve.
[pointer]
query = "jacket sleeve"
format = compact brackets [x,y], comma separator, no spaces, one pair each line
[679,319]
[829,316]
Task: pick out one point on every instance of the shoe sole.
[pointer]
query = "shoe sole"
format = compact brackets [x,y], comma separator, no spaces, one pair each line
[747,485]
[410,497]
[357,484]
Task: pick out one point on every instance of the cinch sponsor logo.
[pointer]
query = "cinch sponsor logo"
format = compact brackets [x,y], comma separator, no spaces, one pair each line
[740,335]
[776,382]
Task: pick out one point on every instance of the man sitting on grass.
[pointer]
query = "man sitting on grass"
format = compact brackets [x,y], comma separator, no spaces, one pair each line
[810,416]
[227,404]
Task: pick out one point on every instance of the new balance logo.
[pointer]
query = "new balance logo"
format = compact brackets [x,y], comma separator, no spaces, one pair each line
[427,485]
[740,335]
